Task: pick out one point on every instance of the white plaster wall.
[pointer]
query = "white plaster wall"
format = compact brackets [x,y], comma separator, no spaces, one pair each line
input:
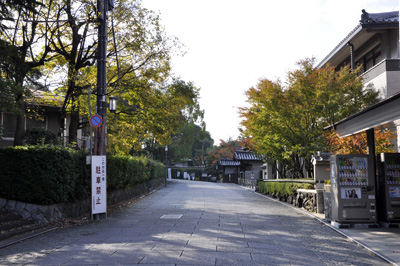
[380,84]
[393,82]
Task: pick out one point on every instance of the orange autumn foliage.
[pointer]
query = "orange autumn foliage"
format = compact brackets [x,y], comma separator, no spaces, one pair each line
[357,144]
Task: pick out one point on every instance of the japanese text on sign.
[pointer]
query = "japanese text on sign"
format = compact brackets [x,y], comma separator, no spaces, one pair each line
[99,185]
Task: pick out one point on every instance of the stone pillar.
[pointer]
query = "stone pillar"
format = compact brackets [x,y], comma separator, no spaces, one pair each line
[320,201]
[321,169]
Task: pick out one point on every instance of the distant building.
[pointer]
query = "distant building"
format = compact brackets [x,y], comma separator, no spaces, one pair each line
[244,165]
[250,164]
[228,170]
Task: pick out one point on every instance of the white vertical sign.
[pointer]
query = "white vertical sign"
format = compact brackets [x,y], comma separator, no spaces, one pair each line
[99,184]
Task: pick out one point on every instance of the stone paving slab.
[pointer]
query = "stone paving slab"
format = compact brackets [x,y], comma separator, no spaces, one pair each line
[385,241]
[195,223]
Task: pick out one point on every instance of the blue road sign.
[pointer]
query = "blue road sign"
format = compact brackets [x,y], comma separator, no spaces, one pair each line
[95,121]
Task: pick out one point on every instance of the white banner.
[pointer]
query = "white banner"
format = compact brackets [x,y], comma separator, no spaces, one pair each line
[99,184]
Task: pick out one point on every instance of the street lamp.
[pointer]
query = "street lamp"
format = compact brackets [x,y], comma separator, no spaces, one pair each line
[166,164]
[112,106]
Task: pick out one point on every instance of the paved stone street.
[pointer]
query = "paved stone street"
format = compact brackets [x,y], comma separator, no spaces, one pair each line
[195,223]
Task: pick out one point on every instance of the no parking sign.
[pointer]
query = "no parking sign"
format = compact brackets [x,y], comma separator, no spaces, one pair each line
[95,121]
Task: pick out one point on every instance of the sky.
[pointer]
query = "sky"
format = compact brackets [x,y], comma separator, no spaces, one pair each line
[231,44]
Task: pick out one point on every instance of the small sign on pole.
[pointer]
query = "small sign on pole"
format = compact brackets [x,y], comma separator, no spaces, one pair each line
[95,121]
[99,185]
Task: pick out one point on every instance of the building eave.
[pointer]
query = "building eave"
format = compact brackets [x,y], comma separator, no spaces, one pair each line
[352,35]
[373,116]
[385,20]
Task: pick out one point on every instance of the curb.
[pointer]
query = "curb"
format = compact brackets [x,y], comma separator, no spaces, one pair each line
[20,239]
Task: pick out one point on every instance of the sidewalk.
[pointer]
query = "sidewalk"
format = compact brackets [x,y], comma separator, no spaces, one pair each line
[383,242]
[195,223]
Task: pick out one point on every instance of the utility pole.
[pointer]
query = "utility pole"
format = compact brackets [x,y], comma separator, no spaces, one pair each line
[99,160]
[166,164]
[103,6]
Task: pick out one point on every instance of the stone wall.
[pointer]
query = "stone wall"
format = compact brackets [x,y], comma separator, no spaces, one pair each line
[55,212]
[310,199]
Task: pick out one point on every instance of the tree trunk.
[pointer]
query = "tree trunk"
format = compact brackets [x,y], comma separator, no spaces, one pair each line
[73,127]
[20,126]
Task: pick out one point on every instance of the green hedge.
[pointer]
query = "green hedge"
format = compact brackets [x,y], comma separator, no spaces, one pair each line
[282,189]
[127,171]
[43,174]
[52,174]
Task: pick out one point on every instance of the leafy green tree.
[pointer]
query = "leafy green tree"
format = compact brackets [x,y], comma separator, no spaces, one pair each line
[7,8]
[201,145]
[286,122]
[144,53]
[191,139]
[149,116]
[192,142]
[24,47]
[74,45]
[152,108]
[9,59]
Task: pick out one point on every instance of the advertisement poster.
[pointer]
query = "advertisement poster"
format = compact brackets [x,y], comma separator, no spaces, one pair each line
[99,185]
[350,193]
[394,192]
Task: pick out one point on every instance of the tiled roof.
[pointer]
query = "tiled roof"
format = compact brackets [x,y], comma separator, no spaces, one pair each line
[368,20]
[379,18]
[246,156]
[228,162]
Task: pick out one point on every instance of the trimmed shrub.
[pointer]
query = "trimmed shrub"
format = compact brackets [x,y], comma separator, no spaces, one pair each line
[39,136]
[42,174]
[127,171]
[52,174]
[282,189]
